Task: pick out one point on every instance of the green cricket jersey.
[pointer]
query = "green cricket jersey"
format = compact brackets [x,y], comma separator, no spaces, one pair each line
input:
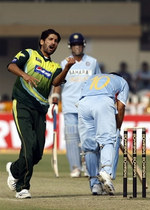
[35,64]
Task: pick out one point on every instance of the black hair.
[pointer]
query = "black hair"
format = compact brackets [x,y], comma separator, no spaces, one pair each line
[47,32]
[115,73]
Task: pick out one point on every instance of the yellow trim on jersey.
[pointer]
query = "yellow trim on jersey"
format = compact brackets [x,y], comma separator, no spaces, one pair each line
[32,91]
[18,128]
[15,115]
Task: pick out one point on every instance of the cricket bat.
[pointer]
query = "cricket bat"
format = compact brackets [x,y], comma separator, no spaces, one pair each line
[54,160]
[139,171]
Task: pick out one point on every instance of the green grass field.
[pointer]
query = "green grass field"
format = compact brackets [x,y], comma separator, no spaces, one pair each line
[49,192]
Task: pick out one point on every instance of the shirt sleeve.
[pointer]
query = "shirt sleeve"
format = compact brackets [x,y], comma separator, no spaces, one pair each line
[21,58]
[58,71]
[123,95]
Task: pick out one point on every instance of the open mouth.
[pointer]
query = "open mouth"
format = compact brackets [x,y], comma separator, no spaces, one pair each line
[51,47]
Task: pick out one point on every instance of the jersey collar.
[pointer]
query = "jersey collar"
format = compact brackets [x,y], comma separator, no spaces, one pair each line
[45,58]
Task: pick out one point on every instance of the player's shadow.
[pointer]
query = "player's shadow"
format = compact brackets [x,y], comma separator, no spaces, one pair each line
[117,195]
[75,195]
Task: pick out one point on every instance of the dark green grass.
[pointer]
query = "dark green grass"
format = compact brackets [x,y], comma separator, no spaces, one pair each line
[49,192]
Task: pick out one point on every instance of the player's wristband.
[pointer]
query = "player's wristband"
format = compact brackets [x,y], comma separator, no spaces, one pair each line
[55,95]
[63,82]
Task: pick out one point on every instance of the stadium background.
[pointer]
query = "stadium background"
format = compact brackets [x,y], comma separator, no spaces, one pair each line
[115,31]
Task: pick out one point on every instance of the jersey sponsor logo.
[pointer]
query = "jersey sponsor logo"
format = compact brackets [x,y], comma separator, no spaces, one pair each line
[39,60]
[80,72]
[78,79]
[42,71]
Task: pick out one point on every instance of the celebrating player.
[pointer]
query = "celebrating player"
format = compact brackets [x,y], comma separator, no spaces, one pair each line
[84,67]
[36,74]
[98,124]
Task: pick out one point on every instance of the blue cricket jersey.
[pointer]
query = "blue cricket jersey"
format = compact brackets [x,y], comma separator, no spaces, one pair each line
[75,78]
[109,85]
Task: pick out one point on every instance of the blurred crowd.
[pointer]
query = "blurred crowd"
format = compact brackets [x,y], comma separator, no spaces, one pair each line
[139,84]
[138,81]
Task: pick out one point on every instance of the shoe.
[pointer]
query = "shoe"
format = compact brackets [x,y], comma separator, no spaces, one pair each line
[75,173]
[106,180]
[103,189]
[23,194]
[97,189]
[11,181]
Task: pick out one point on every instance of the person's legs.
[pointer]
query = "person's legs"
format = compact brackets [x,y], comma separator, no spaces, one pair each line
[31,149]
[89,145]
[92,165]
[116,155]
[39,128]
[73,143]
[105,123]
[23,167]
[103,113]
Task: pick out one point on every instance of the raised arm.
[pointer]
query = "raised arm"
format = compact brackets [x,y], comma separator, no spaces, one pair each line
[61,77]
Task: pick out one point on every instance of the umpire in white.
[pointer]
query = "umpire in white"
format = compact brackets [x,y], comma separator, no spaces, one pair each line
[101,95]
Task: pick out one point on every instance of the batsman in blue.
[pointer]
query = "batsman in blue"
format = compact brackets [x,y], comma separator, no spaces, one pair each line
[101,111]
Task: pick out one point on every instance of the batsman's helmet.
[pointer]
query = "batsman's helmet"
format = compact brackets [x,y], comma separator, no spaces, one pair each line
[76,38]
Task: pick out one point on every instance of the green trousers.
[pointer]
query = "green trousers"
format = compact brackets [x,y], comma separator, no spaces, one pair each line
[31,126]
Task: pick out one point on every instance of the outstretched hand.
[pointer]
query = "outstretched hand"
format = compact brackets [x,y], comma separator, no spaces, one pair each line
[31,80]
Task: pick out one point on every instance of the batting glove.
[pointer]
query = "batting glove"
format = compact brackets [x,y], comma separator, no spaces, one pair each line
[54,105]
